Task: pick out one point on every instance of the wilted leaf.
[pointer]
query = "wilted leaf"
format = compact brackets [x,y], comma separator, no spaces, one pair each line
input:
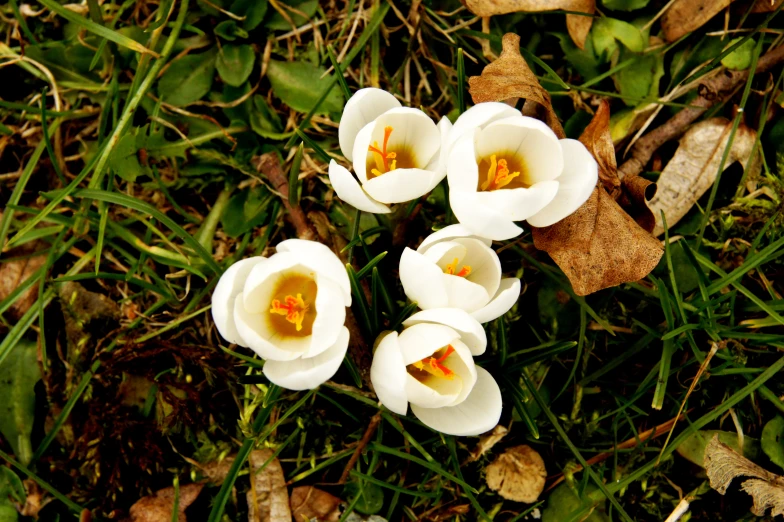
[487,442]
[740,58]
[684,16]
[578,25]
[693,168]
[297,84]
[510,77]
[159,506]
[18,374]
[268,498]
[563,501]
[14,273]
[187,79]
[772,440]
[723,465]
[308,503]
[235,63]
[517,474]
[693,448]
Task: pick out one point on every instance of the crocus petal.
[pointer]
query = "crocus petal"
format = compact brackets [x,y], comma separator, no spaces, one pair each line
[228,288]
[484,263]
[530,139]
[435,393]
[504,299]
[445,253]
[471,332]
[464,294]
[422,340]
[400,185]
[320,258]
[480,219]
[462,169]
[579,177]
[349,190]
[520,203]
[411,129]
[330,316]
[422,280]
[307,373]
[361,143]
[445,128]
[450,232]
[365,106]
[478,413]
[478,116]
[388,374]
[263,278]
[462,363]
[255,330]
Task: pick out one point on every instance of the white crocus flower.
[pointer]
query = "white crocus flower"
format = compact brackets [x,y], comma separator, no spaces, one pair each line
[505,167]
[453,268]
[288,308]
[430,367]
[396,152]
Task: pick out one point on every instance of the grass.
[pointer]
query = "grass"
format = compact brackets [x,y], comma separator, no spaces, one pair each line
[146,203]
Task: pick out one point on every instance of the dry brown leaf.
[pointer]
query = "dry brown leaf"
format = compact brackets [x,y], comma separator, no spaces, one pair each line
[684,16]
[309,503]
[487,442]
[158,507]
[723,464]
[13,273]
[510,77]
[693,168]
[579,26]
[517,474]
[599,246]
[766,6]
[268,498]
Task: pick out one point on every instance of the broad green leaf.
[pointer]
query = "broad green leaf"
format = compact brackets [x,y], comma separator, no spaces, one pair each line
[11,490]
[298,85]
[625,5]
[371,497]
[740,58]
[18,375]
[187,79]
[252,10]
[583,61]
[772,440]
[606,31]
[307,8]
[640,79]
[264,121]
[693,448]
[229,30]
[235,63]
[246,210]
[563,501]
[125,156]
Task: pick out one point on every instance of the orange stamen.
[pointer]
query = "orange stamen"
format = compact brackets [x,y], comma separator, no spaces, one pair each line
[383,155]
[498,174]
[294,309]
[435,367]
[452,267]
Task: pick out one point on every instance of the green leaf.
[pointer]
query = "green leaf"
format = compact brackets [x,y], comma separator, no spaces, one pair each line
[295,83]
[563,501]
[772,440]
[583,61]
[252,10]
[625,5]
[308,8]
[18,375]
[640,79]
[693,448]
[235,63]
[606,31]
[125,158]
[246,210]
[229,30]
[264,121]
[371,497]
[740,58]
[187,79]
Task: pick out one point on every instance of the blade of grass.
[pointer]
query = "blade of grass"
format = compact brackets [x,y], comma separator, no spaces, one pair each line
[73,506]
[294,175]
[461,81]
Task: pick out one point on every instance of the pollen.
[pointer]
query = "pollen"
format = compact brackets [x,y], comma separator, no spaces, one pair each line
[498,175]
[434,365]
[451,269]
[293,308]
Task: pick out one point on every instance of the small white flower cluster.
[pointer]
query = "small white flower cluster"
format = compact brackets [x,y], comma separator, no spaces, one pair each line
[501,167]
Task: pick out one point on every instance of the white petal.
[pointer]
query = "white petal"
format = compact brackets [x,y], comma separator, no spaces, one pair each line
[388,374]
[484,263]
[263,279]
[445,253]
[502,302]
[361,143]
[478,116]
[255,330]
[422,280]
[462,169]
[434,393]
[481,220]
[411,129]
[464,294]
[422,340]
[462,363]
[330,316]
[400,185]
[576,184]
[308,373]
[349,190]
[320,258]
[445,128]
[480,412]
[450,232]
[228,288]
[520,203]
[530,139]
[365,106]
[471,332]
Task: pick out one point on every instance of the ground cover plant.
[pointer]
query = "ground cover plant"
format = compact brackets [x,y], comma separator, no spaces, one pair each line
[148,147]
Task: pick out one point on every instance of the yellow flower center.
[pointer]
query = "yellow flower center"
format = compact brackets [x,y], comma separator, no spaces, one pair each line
[290,311]
[382,159]
[506,172]
[432,366]
[451,269]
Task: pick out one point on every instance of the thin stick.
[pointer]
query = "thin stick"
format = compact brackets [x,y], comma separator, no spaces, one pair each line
[269,165]
[371,429]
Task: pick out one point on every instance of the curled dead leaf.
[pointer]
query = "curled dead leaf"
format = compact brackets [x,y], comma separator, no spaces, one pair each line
[268,497]
[517,474]
[309,503]
[684,16]
[487,442]
[15,272]
[578,25]
[723,464]
[159,506]
[695,165]
[510,77]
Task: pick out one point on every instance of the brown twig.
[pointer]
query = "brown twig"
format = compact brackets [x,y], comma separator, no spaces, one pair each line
[371,429]
[269,165]
[717,88]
